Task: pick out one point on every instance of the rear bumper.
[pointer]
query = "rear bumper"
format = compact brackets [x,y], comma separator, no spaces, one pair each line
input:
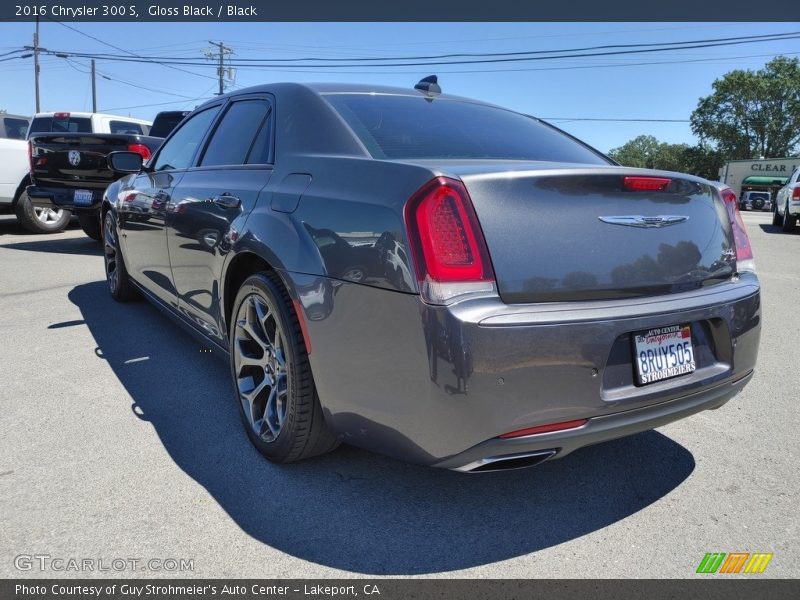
[51,197]
[437,385]
[597,429]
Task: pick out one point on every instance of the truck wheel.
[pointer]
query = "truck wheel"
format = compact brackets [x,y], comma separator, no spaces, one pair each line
[777,219]
[40,220]
[789,221]
[90,223]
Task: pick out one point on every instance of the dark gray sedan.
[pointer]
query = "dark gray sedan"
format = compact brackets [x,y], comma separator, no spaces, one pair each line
[432,277]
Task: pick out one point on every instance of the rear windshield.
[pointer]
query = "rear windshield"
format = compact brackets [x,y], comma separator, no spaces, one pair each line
[14,128]
[53,125]
[400,127]
[759,195]
[128,127]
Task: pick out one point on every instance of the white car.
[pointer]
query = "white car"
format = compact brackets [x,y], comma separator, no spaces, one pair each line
[787,203]
[13,158]
[15,166]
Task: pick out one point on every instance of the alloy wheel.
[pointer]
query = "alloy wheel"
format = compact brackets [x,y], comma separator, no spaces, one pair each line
[110,252]
[260,366]
[47,215]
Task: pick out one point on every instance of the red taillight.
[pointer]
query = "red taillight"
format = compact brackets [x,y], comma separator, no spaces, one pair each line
[545,428]
[30,156]
[796,194]
[645,184]
[140,149]
[61,116]
[448,241]
[743,250]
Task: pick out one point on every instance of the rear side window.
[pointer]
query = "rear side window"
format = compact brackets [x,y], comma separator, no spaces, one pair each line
[127,127]
[400,127]
[179,150]
[242,135]
[68,125]
[16,129]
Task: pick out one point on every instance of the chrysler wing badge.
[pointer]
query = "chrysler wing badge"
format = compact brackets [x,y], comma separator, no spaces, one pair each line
[642,221]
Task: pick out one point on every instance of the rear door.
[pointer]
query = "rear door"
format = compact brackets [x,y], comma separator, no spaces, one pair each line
[143,210]
[212,201]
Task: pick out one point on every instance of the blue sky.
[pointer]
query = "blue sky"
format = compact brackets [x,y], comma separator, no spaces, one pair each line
[610,87]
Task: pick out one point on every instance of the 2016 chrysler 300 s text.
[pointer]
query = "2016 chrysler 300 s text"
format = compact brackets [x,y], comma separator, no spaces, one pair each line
[432,277]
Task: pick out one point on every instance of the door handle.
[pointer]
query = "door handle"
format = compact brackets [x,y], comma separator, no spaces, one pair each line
[226,201]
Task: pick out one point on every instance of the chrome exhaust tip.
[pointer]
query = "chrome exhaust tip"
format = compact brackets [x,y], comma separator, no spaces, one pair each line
[507,462]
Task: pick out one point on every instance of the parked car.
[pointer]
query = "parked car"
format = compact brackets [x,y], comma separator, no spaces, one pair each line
[787,203]
[756,201]
[69,170]
[558,300]
[13,158]
[15,167]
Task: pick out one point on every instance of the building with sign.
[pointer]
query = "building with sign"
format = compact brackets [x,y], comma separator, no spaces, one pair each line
[768,175]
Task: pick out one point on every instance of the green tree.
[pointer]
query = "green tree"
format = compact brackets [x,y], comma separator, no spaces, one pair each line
[645,151]
[752,114]
[640,152]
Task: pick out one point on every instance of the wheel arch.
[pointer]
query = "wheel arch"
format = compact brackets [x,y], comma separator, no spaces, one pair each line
[26,181]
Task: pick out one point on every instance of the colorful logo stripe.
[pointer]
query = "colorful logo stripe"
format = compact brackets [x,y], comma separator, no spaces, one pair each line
[714,562]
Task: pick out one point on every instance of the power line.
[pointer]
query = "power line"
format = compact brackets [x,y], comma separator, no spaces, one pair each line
[498,57]
[127,51]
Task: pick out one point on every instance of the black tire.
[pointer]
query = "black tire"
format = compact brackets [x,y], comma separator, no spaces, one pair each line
[90,223]
[40,220]
[119,284]
[301,432]
[789,221]
[777,219]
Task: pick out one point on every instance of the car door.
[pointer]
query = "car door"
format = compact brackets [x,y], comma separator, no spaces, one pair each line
[211,203]
[143,210]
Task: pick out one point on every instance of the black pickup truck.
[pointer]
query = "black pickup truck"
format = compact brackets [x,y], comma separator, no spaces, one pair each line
[71,171]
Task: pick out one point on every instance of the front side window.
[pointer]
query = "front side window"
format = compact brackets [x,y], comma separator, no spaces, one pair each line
[179,150]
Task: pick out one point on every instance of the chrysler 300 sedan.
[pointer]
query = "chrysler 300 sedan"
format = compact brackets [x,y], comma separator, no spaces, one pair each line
[434,278]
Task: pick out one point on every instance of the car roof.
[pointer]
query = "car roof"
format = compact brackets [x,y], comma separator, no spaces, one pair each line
[341,88]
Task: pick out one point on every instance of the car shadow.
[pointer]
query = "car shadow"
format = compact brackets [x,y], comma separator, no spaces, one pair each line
[58,245]
[352,509]
[775,229]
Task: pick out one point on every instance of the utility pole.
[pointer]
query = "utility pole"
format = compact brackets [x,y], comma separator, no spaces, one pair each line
[223,50]
[36,63]
[94,90]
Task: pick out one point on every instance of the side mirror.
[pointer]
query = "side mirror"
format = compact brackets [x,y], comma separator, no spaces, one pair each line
[125,162]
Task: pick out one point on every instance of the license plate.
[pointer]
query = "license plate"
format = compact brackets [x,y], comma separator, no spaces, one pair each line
[82,198]
[664,352]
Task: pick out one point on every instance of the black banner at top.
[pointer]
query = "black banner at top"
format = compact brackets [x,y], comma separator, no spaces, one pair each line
[401,10]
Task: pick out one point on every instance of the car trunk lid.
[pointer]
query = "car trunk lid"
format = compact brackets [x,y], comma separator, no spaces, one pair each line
[568,234]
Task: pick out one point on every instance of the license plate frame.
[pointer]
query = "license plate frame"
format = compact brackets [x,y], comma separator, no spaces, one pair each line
[662,353]
[82,198]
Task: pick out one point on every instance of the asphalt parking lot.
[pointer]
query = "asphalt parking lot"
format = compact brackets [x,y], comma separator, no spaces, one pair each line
[121,440]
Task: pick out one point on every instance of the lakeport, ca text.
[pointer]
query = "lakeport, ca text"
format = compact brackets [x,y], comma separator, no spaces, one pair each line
[176,591]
